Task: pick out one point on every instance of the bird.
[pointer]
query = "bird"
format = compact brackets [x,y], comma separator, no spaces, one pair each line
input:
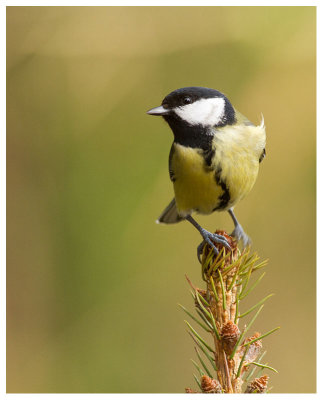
[213,161]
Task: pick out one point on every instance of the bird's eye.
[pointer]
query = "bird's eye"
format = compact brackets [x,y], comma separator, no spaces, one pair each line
[187,100]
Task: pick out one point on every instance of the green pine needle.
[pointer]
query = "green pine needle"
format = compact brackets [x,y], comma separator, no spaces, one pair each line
[208,259]
[234,279]
[206,353]
[195,319]
[261,265]
[258,266]
[223,292]
[217,258]
[221,261]
[255,306]
[252,259]
[236,316]
[203,317]
[198,336]
[200,371]
[230,268]
[242,361]
[214,290]
[203,363]
[237,344]
[203,299]
[254,318]
[246,280]
[215,329]
[204,310]
[245,259]
[262,336]
[252,287]
[263,366]
[197,381]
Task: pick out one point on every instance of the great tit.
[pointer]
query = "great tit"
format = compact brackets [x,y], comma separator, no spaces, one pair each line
[214,159]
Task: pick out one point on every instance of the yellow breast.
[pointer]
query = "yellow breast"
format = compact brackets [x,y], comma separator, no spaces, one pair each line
[195,187]
[231,176]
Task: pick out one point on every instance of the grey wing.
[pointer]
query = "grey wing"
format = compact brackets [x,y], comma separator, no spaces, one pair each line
[170,214]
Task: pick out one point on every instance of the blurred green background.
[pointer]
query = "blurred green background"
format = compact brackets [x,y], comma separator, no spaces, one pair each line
[92,282]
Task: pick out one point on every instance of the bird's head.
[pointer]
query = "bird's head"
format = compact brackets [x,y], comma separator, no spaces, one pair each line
[196,106]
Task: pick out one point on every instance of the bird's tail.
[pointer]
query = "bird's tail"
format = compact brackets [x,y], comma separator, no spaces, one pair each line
[169,215]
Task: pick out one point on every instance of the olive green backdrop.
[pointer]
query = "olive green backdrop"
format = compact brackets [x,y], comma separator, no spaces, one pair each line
[92,282]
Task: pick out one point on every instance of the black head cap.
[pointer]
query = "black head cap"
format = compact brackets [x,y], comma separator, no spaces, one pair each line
[187,95]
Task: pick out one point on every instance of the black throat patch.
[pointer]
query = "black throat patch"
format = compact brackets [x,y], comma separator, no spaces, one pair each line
[194,136]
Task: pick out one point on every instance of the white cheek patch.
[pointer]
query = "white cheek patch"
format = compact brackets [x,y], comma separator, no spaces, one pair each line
[206,112]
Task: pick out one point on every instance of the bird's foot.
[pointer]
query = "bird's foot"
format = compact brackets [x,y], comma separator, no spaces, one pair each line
[210,239]
[239,234]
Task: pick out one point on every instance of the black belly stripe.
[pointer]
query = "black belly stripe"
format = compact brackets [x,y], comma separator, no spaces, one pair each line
[208,156]
[225,197]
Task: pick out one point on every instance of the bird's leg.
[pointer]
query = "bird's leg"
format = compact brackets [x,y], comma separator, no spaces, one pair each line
[207,238]
[238,231]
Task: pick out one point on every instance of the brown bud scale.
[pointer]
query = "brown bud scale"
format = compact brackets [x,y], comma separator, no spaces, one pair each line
[210,385]
[230,334]
[189,390]
[258,385]
[254,348]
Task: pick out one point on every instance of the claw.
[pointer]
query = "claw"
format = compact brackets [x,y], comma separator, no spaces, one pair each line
[240,234]
[208,238]
[200,251]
